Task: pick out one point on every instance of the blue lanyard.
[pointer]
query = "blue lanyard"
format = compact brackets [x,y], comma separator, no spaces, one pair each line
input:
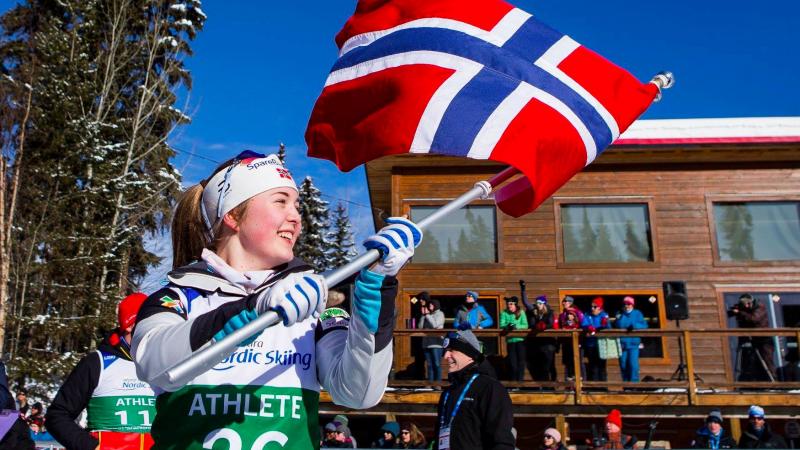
[458,402]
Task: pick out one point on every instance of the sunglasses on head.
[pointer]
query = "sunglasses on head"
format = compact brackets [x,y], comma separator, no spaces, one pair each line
[224,186]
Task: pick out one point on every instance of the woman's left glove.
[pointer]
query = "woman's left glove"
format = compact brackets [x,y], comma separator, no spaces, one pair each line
[396,242]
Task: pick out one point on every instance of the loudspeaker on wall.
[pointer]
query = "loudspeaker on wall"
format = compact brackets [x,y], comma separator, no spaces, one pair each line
[676,301]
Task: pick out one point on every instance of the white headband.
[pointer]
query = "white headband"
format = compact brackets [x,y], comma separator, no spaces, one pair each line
[249,175]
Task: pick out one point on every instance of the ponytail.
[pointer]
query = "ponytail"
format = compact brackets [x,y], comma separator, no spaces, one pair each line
[189,236]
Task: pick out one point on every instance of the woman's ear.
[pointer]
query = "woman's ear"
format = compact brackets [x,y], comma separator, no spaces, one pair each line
[230,221]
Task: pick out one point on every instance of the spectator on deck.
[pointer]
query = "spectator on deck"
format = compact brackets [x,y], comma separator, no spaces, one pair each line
[512,319]
[433,319]
[541,350]
[419,307]
[712,435]
[471,315]
[411,437]
[756,353]
[552,440]
[593,322]
[568,303]
[629,319]
[571,321]
[758,433]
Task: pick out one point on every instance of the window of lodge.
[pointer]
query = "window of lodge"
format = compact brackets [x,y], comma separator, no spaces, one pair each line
[605,233]
[468,235]
[757,231]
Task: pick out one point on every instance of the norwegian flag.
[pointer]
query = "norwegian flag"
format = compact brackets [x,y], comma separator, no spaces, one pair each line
[473,78]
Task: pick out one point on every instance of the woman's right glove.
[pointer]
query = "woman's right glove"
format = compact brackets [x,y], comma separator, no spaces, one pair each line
[396,242]
[295,298]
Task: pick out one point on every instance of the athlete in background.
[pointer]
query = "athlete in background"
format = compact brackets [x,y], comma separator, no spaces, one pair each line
[120,407]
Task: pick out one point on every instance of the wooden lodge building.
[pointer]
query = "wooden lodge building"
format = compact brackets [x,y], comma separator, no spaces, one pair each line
[710,205]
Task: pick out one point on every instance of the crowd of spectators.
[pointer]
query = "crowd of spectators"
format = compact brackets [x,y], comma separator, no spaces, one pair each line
[536,351]
[610,434]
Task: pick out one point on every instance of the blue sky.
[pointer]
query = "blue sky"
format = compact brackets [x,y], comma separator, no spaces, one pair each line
[259,66]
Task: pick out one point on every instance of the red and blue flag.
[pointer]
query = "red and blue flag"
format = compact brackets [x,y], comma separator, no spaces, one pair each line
[471,78]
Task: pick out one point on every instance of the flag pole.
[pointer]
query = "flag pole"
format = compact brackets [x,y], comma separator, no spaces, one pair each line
[212,353]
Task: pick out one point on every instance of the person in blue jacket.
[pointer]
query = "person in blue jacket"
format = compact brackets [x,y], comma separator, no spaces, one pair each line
[629,319]
[471,315]
[594,321]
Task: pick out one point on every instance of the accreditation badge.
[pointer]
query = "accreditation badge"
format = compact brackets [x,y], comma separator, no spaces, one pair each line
[444,438]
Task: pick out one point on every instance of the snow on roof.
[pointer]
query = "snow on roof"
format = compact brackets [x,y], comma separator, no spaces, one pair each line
[712,131]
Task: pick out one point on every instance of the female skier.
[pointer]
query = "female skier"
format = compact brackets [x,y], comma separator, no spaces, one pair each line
[233,238]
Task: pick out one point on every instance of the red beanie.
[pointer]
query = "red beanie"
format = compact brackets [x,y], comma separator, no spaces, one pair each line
[615,417]
[598,301]
[128,308]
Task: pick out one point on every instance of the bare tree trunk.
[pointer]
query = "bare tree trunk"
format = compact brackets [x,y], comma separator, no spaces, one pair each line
[27,266]
[7,223]
[148,105]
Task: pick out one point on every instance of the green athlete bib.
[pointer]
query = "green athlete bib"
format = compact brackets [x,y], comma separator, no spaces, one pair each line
[237,418]
[120,402]
[264,395]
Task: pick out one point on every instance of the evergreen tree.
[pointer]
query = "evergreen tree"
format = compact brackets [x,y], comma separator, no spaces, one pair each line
[464,252]
[637,250]
[483,239]
[604,250]
[311,246]
[429,250]
[282,153]
[570,237]
[451,252]
[103,76]
[340,239]
[737,228]
[588,238]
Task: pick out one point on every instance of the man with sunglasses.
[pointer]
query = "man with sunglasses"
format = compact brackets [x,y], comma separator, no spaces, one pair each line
[758,433]
[475,412]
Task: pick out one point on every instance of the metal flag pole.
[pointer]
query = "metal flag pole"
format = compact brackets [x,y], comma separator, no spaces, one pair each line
[212,353]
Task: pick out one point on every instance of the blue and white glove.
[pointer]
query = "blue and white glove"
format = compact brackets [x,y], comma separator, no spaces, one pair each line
[295,298]
[396,242]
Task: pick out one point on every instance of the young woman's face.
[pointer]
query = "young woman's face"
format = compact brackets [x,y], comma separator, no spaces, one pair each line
[269,228]
[512,307]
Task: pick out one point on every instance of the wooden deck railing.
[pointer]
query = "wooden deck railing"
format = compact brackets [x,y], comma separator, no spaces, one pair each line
[694,393]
